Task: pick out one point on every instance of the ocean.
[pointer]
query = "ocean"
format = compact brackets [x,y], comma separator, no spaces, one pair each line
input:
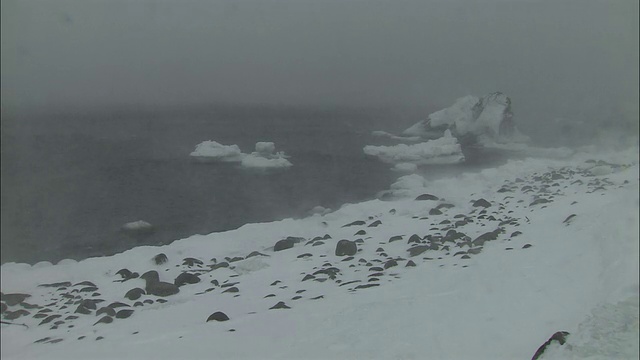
[71,180]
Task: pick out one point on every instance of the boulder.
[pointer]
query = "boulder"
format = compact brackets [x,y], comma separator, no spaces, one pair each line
[560,337]
[346,248]
[160,259]
[186,278]
[218,316]
[283,245]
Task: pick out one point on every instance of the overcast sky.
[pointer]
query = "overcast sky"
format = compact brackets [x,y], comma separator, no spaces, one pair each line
[550,56]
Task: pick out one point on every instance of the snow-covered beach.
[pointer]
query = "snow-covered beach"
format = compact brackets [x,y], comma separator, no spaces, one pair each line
[504,258]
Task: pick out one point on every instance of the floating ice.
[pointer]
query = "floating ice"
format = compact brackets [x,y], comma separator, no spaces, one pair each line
[445,150]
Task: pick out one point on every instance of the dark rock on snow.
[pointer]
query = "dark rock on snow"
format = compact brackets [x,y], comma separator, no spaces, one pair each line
[346,248]
[218,316]
[560,337]
[160,259]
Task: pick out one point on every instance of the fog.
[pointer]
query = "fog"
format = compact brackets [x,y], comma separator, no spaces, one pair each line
[568,59]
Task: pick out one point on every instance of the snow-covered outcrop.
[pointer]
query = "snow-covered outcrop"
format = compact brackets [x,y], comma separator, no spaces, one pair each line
[472,119]
[264,157]
[445,150]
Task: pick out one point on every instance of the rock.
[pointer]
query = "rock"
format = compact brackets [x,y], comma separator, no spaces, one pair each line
[410,263]
[124,273]
[417,250]
[89,304]
[14,299]
[279,305]
[360,232]
[82,310]
[191,261]
[57,285]
[560,337]
[232,289]
[491,235]
[526,246]
[375,223]
[435,211]
[124,313]
[117,304]
[427,197]
[308,277]
[255,253]
[414,239]
[395,238]
[283,244]
[355,223]
[218,316]
[106,310]
[481,203]
[134,294]
[539,201]
[346,248]
[3,307]
[569,218]
[12,315]
[104,320]
[156,287]
[305,255]
[364,286]
[390,263]
[223,264]
[186,278]
[160,259]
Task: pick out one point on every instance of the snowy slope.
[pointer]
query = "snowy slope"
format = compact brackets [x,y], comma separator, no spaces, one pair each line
[493,279]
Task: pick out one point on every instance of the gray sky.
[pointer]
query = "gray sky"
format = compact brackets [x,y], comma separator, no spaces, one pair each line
[551,57]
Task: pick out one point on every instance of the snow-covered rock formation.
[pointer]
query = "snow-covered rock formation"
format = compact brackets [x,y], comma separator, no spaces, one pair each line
[471,119]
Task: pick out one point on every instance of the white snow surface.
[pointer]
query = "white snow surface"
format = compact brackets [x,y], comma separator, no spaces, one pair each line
[445,150]
[499,300]
[264,157]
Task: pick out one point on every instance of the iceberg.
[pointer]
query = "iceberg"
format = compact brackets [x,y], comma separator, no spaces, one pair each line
[472,119]
[445,150]
[263,157]
[214,151]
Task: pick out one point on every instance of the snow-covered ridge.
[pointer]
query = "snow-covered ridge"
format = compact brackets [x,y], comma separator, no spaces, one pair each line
[452,271]
[263,157]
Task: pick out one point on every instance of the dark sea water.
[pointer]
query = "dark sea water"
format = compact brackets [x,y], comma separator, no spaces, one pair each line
[70,181]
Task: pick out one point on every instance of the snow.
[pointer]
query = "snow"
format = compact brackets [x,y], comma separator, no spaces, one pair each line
[579,276]
[264,157]
[445,150]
